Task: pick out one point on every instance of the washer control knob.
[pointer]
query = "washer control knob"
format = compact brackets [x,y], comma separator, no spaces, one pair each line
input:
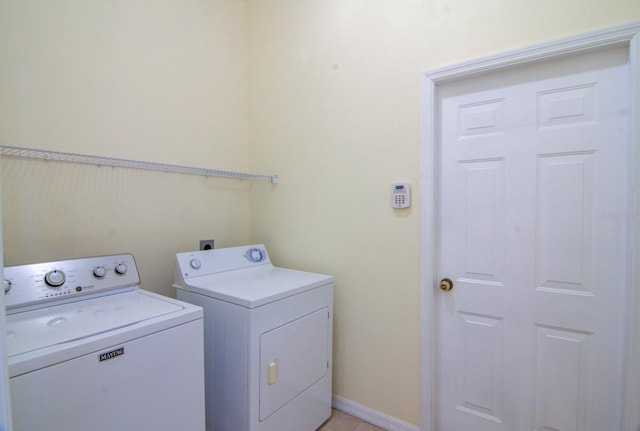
[55,278]
[121,268]
[195,263]
[7,285]
[99,271]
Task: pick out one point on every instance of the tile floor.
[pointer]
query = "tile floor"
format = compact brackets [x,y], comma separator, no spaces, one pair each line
[340,421]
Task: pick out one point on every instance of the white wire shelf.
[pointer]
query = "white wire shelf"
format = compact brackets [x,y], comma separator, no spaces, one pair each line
[33,153]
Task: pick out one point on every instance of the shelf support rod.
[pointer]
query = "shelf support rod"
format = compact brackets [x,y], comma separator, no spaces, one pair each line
[33,153]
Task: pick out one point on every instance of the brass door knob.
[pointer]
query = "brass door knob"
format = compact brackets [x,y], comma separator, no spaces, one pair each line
[446,284]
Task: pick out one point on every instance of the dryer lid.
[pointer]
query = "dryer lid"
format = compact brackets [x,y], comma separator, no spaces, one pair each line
[256,286]
[37,329]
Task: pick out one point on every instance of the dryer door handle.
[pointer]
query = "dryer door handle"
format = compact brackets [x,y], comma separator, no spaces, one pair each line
[272,372]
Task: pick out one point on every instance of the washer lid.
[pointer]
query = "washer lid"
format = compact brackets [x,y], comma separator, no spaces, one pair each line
[38,329]
[256,286]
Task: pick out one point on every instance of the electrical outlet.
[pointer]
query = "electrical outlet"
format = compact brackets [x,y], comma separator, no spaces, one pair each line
[206,244]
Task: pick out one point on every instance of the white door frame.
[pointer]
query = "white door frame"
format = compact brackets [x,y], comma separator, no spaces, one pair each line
[626,35]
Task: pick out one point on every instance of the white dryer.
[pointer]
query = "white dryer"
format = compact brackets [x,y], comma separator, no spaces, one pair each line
[268,339]
[89,350]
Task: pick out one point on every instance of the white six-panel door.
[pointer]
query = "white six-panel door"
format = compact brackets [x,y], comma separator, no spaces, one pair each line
[532,195]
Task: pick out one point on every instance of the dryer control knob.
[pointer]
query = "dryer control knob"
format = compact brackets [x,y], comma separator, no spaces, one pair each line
[255,255]
[55,278]
[121,268]
[195,263]
[7,285]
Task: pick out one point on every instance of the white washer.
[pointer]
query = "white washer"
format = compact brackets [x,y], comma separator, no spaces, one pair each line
[268,339]
[89,350]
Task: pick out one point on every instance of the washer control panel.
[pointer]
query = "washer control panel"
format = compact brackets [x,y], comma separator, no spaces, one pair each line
[40,283]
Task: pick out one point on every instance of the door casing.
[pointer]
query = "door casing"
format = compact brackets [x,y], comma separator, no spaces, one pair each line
[626,35]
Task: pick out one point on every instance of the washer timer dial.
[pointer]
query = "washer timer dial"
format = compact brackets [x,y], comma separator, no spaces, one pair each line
[55,278]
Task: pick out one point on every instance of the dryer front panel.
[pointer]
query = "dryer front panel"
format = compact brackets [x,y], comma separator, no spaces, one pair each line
[293,357]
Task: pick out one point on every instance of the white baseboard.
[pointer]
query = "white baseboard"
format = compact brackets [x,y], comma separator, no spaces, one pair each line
[374,417]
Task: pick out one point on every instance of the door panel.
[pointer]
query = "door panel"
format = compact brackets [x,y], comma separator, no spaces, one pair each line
[532,160]
[564,208]
[482,236]
[561,378]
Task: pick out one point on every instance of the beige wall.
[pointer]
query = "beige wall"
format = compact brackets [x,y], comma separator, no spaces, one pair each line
[155,80]
[335,111]
[323,93]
